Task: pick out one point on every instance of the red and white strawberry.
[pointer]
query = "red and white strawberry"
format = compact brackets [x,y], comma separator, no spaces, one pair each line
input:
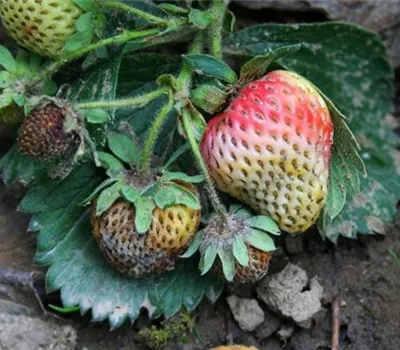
[271,149]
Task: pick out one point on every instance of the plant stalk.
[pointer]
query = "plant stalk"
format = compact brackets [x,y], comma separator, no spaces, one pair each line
[218,207]
[133,101]
[154,132]
[117,39]
[218,10]
[116,5]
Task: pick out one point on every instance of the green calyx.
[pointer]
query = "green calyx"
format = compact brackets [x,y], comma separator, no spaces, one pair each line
[229,241]
[17,73]
[160,189]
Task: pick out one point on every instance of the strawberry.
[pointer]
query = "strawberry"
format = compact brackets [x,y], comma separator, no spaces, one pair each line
[40,26]
[43,136]
[134,254]
[258,266]
[271,149]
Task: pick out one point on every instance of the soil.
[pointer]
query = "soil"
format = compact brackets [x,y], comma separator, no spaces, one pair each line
[360,271]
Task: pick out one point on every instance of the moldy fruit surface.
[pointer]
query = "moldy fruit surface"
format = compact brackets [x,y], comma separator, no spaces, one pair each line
[133,254]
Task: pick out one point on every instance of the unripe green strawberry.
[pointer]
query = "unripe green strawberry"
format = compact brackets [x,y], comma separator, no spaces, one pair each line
[156,251]
[42,135]
[42,26]
[271,149]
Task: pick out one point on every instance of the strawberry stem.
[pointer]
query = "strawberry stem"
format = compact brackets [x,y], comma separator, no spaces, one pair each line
[213,195]
[138,101]
[153,134]
[116,5]
[218,10]
[152,35]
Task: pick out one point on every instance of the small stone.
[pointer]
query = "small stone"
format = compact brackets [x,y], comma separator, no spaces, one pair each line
[290,294]
[247,312]
[286,332]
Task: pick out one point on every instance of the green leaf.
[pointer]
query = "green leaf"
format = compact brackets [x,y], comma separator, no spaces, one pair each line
[131,193]
[83,35]
[171,175]
[57,205]
[111,163]
[210,66]
[209,98]
[169,193]
[264,223]
[7,60]
[97,190]
[123,147]
[208,258]
[86,5]
[258,66]
[96,116]
[107,198]
[144,213]
[5,79]
[194,246]
[6,98]
[19,99]
[78,269]
[64,310]
[177,153]
[228,263]
[15,166]
[137,76]
[240,251]
[350,66]
[200,19]
[260,240]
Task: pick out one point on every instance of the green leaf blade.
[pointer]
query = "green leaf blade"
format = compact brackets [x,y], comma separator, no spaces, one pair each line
[210,66]
[264,223]
[144,207]
[123,147]
[260,240]
[240,251]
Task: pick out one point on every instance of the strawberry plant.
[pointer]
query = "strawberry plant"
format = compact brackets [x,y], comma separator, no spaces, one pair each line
[124,147]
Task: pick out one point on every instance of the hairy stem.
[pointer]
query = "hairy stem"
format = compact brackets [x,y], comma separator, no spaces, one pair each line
[117,39]
[138,101]
[154,132]
[116,5]
[218,207]
[218,10]
[185,76]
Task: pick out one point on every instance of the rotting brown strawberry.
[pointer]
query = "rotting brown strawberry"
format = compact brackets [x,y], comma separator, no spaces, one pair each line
[42,26]
[156,251]
[257,269]
[271,149]
[43,136]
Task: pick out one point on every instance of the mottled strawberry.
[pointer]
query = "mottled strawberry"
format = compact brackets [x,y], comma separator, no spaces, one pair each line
[257,269]
[156,251]
[271,149]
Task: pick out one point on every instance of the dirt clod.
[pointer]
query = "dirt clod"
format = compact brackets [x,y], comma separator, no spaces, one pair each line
[290,294]
[247,312]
